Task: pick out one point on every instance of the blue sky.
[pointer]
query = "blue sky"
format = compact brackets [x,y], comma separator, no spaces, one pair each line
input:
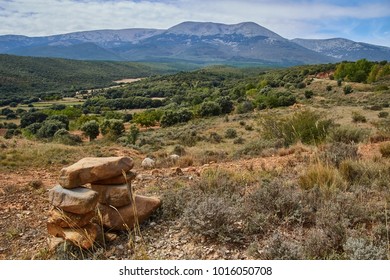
[358,20]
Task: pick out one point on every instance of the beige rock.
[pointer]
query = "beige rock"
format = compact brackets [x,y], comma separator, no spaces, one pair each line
[84,237]
[115,195]
[118,180]
[148,163]
[54,242]
[124,218]
[91,169]
[77,201]
[69,220]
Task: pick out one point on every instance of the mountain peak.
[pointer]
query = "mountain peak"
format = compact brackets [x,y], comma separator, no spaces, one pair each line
[247,29]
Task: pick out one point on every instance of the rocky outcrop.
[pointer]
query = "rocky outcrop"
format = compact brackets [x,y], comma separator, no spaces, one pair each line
[79,210]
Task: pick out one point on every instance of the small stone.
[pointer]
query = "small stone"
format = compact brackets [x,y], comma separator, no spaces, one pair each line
[77,201]
[124,218]
[174,158]
[90,169]
[115,195]
[54,242]
[69,220]
[148,163]
[109,236]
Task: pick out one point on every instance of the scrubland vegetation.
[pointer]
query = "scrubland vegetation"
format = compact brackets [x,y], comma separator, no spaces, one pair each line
[291,163]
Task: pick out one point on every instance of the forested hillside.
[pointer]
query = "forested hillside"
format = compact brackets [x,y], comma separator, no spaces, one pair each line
[23,77]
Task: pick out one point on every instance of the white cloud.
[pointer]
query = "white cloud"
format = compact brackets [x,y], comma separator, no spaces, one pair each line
[288,18]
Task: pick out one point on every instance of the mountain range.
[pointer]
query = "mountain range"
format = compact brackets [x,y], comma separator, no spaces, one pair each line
[196,42]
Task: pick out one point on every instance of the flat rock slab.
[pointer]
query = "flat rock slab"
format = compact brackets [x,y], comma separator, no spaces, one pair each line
[69,220]
[84,237]
[115,195]
[124,218]
[118,180]
[92,169]
[77,201]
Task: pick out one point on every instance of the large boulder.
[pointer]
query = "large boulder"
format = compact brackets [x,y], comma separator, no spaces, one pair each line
[124,218]
[93,169]
[84,237]
[69,220]
[118,180]
[78,201]
[115,195]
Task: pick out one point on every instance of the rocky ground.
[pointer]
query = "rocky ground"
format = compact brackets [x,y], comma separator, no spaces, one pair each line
[24,208]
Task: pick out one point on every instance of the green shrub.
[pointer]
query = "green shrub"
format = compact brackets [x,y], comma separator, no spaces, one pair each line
[383,114]
[244,107]
[309,94]
[280,248]
[363,249]
[49,128]
[347,89]
[170,118]
[306,126]
[274,100]
[385,150]
[64,137]
[358,117]
[213,216]
[209,108]
[32,117]
[349,135]
[337,152]
[215,138]
[366,173]
[326,178]
[230,133]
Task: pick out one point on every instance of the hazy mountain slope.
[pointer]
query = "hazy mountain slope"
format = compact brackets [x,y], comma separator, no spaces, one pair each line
[343,49]
[196,42]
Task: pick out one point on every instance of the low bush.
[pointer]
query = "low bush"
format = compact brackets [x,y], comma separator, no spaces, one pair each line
[230,133]
[306,126]
[335,153]
[326,178]
[363,249]
[349,135]
[358,117]
[385,150]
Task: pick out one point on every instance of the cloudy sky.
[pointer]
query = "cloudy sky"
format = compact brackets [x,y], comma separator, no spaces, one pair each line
[359,20]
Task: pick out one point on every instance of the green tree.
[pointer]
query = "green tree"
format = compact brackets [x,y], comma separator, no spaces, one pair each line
[91,129]
[32,117]
[112,129]
[49,128]
[209,108]
[133,135]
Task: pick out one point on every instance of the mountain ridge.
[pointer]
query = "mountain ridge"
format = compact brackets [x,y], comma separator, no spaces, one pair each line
[199,42]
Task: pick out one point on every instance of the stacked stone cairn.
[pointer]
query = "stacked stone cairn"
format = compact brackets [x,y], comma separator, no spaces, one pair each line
[95,193]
